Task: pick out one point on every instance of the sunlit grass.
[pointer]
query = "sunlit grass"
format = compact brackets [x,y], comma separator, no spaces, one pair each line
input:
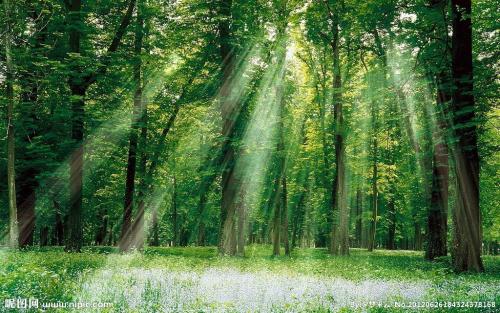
[197,278]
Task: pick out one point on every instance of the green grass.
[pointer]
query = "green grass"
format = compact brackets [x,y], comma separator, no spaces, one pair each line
[52,275]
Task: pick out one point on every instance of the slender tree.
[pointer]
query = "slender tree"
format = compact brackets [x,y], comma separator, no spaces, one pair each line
[11,175]
[127,235]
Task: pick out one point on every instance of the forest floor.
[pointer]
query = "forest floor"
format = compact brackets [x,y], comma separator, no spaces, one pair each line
[197,280]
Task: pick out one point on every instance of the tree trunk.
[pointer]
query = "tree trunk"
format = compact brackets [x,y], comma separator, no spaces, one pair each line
[59,228]
[276,222]
[11,175]
[284,212]
[359,217]
[467,216]
[155,241]
[241,225]
[437,220]
[127,235]
[175,219]
[229,112]
[374,204]
[78,91]
[102,230]
[391,235]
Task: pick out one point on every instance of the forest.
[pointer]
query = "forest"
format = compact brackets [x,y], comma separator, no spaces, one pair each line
[250,155]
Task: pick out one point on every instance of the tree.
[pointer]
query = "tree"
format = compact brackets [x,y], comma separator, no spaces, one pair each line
[11,175]
[467,221]
[78,83]
[127,235]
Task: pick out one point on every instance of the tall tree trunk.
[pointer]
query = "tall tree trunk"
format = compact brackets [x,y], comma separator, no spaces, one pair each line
[374,203]
[11,175]
[78,91]
[175,215]
[127,235]
[284,213]
[437,220]
[229,112]
[340,227]
[359,217]
[391,234]
[467,216]
[277,221]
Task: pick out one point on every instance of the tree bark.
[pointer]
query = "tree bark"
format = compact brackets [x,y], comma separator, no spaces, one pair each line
[11,174]
[175,217]
[229,113]
[437,220]
[277,219]
[284,205]
[374,203]
[127,235]
[467,216]
[359,217]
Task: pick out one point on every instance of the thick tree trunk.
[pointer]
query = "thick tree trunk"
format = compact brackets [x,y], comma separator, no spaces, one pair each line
[11,175]
[78,91]
[467,216]
[229,112]
[340,226]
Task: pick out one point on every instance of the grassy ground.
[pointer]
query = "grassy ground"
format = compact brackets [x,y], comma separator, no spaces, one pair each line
[197,280]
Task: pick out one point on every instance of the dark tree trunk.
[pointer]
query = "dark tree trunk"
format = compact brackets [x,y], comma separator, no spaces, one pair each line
[155,240]
[110,235]
[59,229]
[201,225]
[437,220]
[391,235]
[229,112]
[78,91]
[467,216]
[127,236]
[102,230]
[26,210]
[340,227]
[44,236]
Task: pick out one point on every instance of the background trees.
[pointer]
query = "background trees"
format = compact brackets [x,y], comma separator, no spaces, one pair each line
[325,124]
